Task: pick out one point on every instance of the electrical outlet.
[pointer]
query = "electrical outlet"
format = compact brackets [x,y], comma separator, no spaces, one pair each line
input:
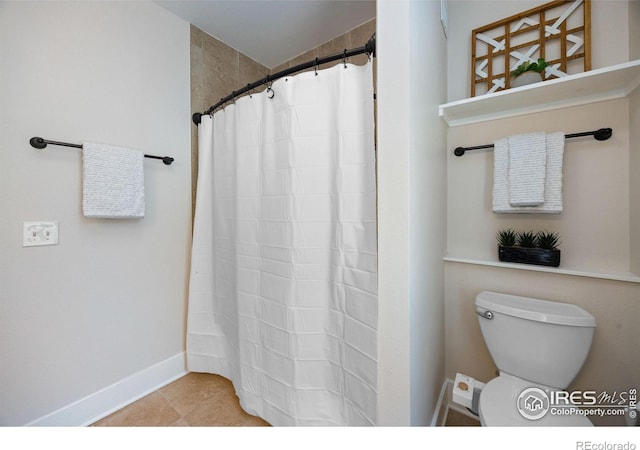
[39,233]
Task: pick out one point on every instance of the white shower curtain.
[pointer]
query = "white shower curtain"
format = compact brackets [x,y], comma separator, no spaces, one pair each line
[283,298]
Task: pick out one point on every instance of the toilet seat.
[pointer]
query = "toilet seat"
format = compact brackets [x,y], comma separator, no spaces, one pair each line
[498,406]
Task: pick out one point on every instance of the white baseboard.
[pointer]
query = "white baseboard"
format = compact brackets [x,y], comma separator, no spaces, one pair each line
[112,398]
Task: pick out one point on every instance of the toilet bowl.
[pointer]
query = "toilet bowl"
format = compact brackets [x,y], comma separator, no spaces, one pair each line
[539,347]
[499,400]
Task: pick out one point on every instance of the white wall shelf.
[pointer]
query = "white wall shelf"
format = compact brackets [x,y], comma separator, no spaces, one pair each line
[609,83]
[597,85]
[615,276]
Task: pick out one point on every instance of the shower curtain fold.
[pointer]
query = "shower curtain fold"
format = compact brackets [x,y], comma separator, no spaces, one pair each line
[283,287]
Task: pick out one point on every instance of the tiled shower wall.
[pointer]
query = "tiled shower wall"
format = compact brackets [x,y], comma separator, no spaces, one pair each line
[217,70]
[352,39]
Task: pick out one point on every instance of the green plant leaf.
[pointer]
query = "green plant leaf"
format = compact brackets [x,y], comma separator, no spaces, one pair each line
[529,66]
[506,238]
[527,239]
[548,240]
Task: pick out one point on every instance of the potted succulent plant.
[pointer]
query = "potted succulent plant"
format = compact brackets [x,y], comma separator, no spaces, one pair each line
[528,72]
[528,247]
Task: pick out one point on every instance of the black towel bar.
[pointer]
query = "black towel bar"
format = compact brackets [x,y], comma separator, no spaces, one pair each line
[600,135]
[39,143]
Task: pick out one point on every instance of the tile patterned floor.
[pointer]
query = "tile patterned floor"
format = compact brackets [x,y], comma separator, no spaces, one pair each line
[196,399]
[204,400]
[456,419]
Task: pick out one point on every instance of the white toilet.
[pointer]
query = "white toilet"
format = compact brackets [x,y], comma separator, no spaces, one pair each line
[535,344]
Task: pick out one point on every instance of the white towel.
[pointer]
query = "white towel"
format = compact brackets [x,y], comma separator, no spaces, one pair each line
[553,181]
[501,176]
[112,182]
[553,202]
[527,169]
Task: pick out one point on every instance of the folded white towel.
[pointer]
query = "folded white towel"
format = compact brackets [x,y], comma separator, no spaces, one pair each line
[527,169]
[112,182]
[553,202]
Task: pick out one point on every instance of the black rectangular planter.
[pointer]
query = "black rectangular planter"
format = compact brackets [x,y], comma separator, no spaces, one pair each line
[523,255]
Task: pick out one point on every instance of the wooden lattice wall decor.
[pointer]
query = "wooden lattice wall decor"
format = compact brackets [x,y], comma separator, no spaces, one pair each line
[559,32]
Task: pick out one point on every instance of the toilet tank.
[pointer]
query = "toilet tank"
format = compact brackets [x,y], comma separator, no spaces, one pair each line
[537,340]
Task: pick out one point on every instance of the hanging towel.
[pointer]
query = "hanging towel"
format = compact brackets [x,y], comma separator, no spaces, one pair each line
[527,169]
[553,181]
[112,182]
[553,203]
[501,176]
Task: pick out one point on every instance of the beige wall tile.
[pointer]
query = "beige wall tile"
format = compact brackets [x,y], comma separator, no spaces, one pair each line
[337,45]
[249,71]
[303,58]
[218,85]
[219,57]
[280,68]
[359,37]
[196,36]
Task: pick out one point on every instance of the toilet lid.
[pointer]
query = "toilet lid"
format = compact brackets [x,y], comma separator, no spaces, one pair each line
[498,406]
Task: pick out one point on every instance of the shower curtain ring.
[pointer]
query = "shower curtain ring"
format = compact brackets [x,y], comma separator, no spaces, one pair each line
[344,58]
[315,66]
[270,92]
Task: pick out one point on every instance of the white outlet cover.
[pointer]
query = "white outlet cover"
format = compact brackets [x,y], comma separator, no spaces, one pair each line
[39,233]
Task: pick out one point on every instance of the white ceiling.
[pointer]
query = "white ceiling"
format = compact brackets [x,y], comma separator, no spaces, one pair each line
[273,31]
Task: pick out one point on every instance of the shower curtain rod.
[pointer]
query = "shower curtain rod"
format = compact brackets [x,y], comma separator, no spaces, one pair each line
[39,143]
[599,135]
[369,48]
